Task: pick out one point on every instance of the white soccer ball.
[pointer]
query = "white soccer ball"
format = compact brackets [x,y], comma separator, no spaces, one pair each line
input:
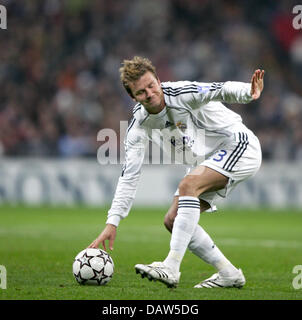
[93,266]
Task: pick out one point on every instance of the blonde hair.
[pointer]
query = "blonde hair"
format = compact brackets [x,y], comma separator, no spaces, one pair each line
[133,69]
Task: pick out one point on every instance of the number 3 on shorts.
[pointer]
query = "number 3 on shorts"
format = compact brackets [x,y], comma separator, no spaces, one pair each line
[220,155]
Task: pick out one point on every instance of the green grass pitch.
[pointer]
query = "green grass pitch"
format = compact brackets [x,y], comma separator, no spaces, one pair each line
[38,245]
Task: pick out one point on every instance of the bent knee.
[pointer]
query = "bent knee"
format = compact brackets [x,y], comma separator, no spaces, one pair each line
[187,186]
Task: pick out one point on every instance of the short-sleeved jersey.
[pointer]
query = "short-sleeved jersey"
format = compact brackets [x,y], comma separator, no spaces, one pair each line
[191,127]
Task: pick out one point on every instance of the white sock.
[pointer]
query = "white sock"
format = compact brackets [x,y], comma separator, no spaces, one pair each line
[183,228]
[203,246]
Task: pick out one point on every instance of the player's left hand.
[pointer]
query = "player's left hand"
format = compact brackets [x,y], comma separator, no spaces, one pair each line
[257,83]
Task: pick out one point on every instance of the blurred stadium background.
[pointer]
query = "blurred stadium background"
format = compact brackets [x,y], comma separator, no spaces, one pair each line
[59,62]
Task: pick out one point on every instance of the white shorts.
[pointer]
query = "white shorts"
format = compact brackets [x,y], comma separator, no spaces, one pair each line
[238,159]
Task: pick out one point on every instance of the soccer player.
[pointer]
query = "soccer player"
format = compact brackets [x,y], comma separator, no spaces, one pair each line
[191,120]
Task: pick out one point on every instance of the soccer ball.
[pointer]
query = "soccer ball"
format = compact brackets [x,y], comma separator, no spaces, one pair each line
[93,266]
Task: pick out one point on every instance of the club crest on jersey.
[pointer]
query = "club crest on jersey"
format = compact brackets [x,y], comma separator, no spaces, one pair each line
[181,126]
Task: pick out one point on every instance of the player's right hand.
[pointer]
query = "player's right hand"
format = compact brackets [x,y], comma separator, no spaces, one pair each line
[109,233]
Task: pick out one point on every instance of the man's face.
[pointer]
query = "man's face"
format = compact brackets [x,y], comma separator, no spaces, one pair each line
[147,91]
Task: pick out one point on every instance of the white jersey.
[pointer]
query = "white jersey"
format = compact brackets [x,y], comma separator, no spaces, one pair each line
[191,127]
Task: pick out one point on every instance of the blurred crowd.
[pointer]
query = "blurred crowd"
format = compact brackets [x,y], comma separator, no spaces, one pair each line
[59,62]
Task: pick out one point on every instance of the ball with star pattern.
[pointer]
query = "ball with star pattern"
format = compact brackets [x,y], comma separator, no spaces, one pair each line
[93,266]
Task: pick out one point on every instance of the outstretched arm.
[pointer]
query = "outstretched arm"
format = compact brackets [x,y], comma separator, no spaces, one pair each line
[231,91]
[257,83]
[126,188]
